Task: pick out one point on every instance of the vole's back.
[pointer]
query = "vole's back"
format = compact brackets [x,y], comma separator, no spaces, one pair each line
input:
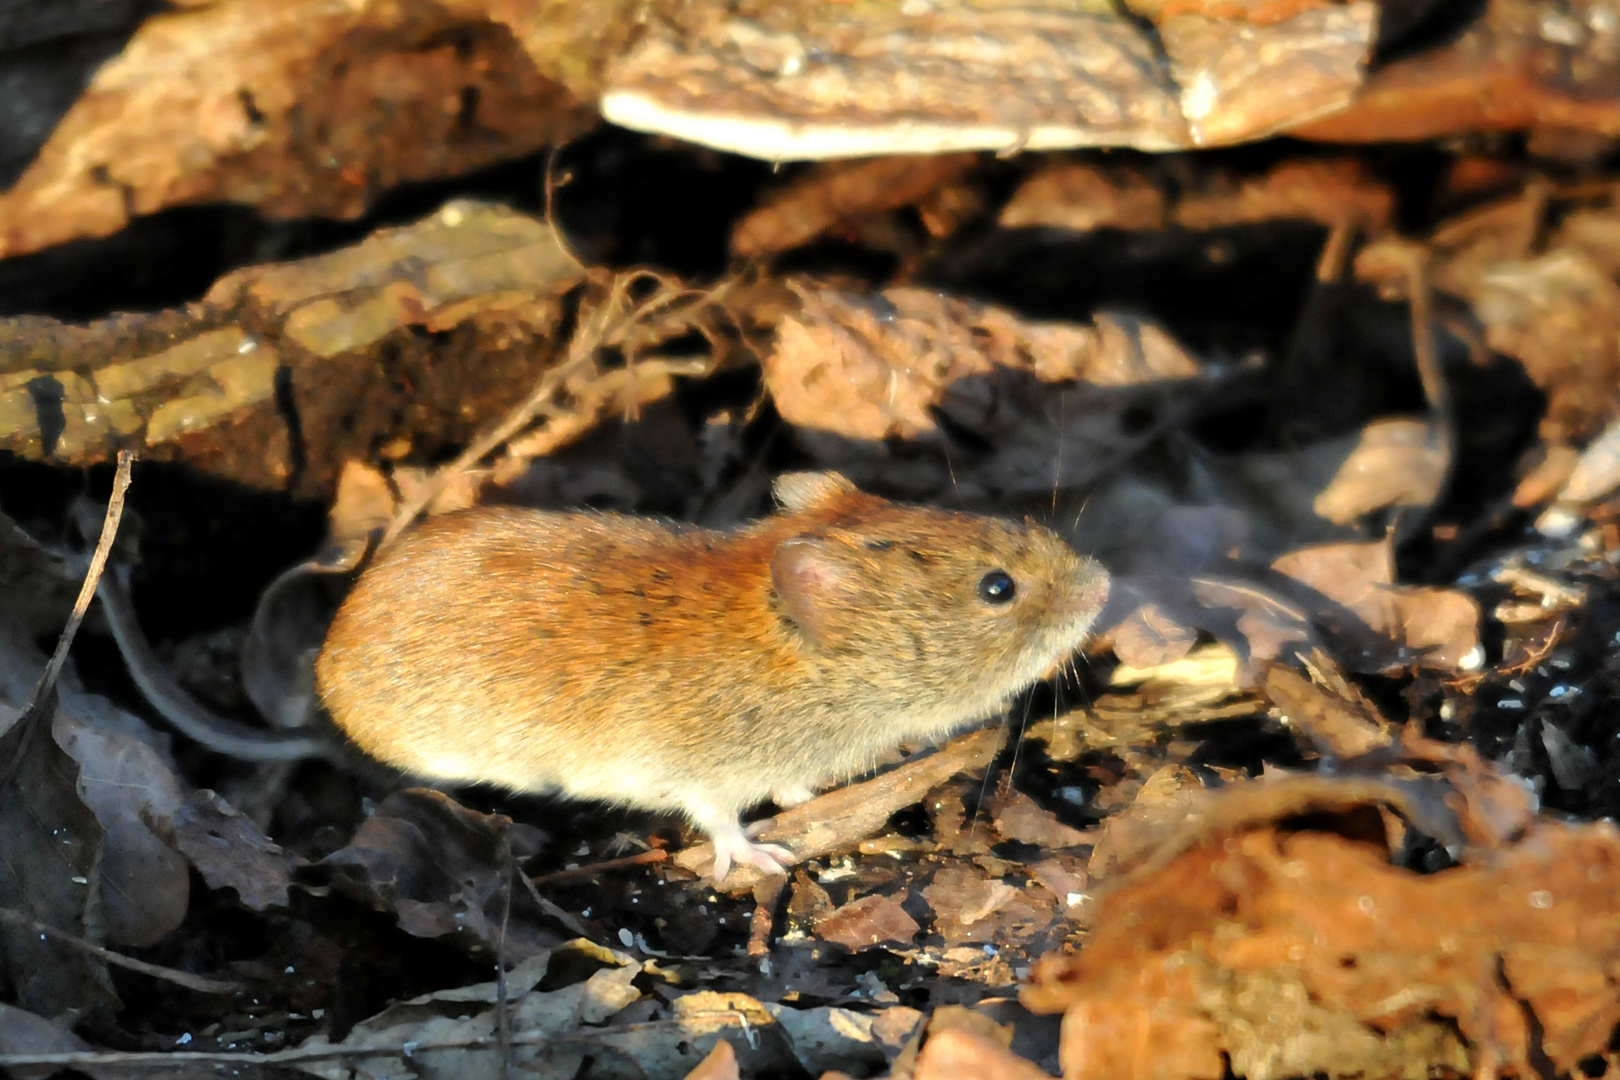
[535,650]
[642,662]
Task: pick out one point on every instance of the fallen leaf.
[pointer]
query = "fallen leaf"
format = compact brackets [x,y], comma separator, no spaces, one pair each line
[216,103]
[827,196]
[1431,627]
[965,903]
[868,921]
[52,843]
[1395,463]
[145,886]
[958,1054]
[721,1064]
[230,852]
[1020,818]
[445,870]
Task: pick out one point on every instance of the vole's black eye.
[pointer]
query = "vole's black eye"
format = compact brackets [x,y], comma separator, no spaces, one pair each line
[997,587]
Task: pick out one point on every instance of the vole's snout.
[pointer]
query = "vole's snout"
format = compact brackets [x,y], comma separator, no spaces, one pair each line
[1087,591]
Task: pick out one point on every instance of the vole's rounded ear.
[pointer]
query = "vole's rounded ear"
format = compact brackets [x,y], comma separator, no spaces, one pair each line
[813,586]
[802,490]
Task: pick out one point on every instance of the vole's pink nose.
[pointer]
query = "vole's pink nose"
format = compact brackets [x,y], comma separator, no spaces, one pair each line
[1088,591]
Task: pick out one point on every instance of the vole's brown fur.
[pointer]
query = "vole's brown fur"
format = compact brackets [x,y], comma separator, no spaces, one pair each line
[669,667]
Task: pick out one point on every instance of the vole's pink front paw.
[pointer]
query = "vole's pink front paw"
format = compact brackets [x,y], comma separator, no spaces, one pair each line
[733,846]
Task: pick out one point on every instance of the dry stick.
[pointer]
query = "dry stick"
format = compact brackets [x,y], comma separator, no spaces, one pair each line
[39,705]
[657,855]
[180,978]
[1330,265]
[562,427]
[767,891]
[848,814]
[572,924]
[503,1027]
[1427,354]
[45,691]
[557,233]
[296,1054]
[43,700]
[1424,349]
[532,406]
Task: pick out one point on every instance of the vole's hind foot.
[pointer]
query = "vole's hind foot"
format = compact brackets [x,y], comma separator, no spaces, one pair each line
[733,846]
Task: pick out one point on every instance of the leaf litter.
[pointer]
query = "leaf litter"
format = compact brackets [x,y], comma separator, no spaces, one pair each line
[1314,801]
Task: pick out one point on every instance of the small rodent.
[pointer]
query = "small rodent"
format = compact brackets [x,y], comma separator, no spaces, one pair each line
[670,667]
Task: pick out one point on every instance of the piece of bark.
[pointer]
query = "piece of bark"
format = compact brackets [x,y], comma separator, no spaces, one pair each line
[846,815]
[303,108]
[207,384]
[1522,64]
[807,82]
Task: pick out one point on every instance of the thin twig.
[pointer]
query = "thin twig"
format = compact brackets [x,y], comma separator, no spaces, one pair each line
[43,700]
[503,1026]
[552,184]
[767,891]
[1424,348]
[1330,264]
[45,691]
[657,855]
[294,1055]
[198,983]
[569,922]
[613,315]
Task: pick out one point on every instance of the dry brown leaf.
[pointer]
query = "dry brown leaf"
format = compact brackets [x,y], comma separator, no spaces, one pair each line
[1020,818]
[959,1054]
[1065,877]
[970,907]
[1521,65]
[1164,801]
[365,502]
[231,853]
[1559,315]
[134,795]
[1053,403]
[1596,472]
[827,196]
[52,842]
[721,1064]
[445,871]
[1148,637]
[1082,196]
[1546,471]
[1330,191]
[1433,627]
[1394,463]
[868,921]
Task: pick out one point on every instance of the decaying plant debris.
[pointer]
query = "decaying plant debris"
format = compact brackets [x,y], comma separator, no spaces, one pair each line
[1324,796]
